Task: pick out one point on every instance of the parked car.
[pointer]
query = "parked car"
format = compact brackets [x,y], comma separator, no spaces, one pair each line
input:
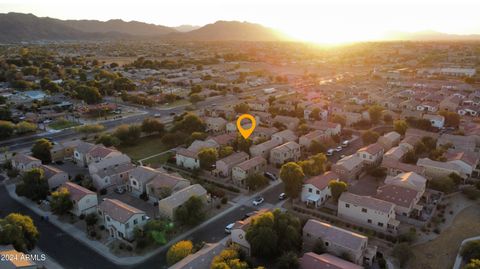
[345,143]
[282,196]
[258,200]
[338,149]
[330,152]
[269,175]
[157,115]
[249,214]
[120,190]
[228,228]
[343,156]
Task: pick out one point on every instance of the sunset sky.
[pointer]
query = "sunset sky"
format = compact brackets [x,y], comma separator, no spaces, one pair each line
[309,20]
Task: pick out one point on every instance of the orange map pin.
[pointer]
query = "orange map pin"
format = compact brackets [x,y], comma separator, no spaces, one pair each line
[246,132]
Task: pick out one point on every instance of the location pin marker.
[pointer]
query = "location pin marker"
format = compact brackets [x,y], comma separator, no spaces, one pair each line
[246,132]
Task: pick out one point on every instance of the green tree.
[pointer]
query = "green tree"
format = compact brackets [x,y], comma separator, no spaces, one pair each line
[6,129]
[225,151]
[61,202]
[90,95]
[339,119]
[315,165]
[91,220]
[124,84]
[242,108]
[128,134]
[375,113]
[189,123]
[178,251]
[195,136]
[191,212]
[25,127]
[151,125]
[400,126]
[470,250]
[316,147]
[229,258]
[292,176]
[242,144]
[34,186]
[370,137]
[315,114]
[18,230]
[195,98]
[337,188]
[41,150]
[452,119]
[207,157]
[303,129]
[256,181]
[108,140]
[88,129]
[288,260]
[473,264]
[319,247]
[403,253]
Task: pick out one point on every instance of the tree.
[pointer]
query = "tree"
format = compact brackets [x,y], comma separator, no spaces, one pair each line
[319,247]
[288,260]
[316,147]
[151,125]
[24,127]
[303,129]
[452,119]
[229,258]
[195,98]
[337,188]
[339,119]
[207,157]
[6,129]
[41,150]
[400,126]
[88,129]
[402,252]
[19,231]
[128,134]
[61,202]
[191,212]
[315,114]
[292,176]
[375,113]
[90,95]
[123,84]
[256,181]
[470,250]
[195,136]
[370,137]
[445,184]
[315,165]
[34,186]
[225,151]
[91,220]
[242,144]
[473,264]
[189,123]
[273,233]
[242,108]
[108,140]
[178,251]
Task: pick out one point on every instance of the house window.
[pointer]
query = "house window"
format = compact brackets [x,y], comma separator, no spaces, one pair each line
[326,244]
[108,218]
[310,190]
[369,221]
[134,183]
[347,205]
[318,192]
[364,210]
[127,225]
[135,221]
[120,234]
[380,224]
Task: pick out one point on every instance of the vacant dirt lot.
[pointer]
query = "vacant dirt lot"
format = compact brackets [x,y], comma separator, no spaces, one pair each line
[441,252]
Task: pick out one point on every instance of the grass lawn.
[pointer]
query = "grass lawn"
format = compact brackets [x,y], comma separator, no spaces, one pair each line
[441,252]
[146,146]
[157,161]
[59,125]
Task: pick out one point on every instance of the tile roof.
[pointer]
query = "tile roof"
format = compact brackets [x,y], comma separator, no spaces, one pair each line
[321,181]
[349,162]
[372,149]
[50,171]
[162,180]
[401,196]
[77,192]
[181,196]
[234,158]
[118,210]
[336,235]
[143,173]
[367,201]
[409,180]
[312,260]
[248,164]
[467,157]
[24,158]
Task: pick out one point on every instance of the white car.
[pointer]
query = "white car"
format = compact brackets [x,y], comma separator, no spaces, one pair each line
[345,143]
[258,200]
[330,152]
[338,149]
[229,227]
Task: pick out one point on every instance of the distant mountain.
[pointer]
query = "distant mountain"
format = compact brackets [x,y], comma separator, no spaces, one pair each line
[429,36]
[133,28]
[186,28]
[230,31]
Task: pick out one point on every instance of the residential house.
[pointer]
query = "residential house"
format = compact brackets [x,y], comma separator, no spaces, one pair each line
[395,167]
[285,136]
[289,151]
[437,121]
[307,112]
[203,258]
[329,128]
[120,219]
[368,211]
[371,154]
[312,260]
[263,149]
[187,159]
[216,124]
[317,135]
[348,168]
[316,191]
[169,205]
[99,152]
[241,171]
[164,184]
[338,241]
[223,139]
[24,163]
[436,169]
[84,200]
[139,177]
[80,153]
[389,140]
[54,176]
[395,154]
[223,167]
[112,176]
[467,161]
[63,150]
[405,199]
[290,122]
[410,180]
[458,142]
[450,103]
[239,231]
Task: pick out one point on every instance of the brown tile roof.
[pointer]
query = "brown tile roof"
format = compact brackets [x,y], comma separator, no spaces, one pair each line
[321,181]
[367,201]
[118,210]
[401,196]
[24,158]
[312,260]
[165,180]
[467,157]
[246,165]
[100,151]
[77,192]
[336,235]
[405,167]
[372,149]
[50,171]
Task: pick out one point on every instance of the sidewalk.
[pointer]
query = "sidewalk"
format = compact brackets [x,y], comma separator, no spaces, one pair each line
[104,250]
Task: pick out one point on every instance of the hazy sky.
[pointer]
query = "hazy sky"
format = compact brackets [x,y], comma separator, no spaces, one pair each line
[312,20]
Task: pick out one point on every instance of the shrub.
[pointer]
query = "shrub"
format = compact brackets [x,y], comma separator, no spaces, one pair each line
[103,191]
[81,217]
[224,200]
[471,192]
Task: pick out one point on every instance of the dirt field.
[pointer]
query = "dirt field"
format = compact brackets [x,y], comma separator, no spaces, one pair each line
[441,252]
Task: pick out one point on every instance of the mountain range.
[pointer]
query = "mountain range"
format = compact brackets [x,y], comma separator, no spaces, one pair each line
[20,27]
